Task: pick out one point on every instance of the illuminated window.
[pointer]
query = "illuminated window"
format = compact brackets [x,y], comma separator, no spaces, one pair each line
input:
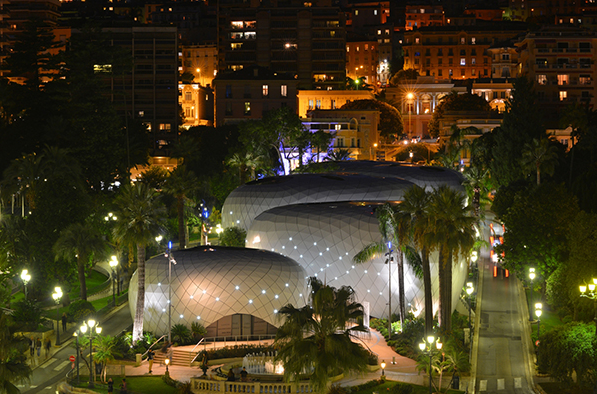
[416,40]
[463,62]
[333,104]
[473,40]
[462,40]
[318,104]
[265,90]
[374,12]
[284,90]
[165,127]
[310,104]
[247,108]
[563,95]
[542,79]
[102,68]
[188,96]
[584,79]
[563,79]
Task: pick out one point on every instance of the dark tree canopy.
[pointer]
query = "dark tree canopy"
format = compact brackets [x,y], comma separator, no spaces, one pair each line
[456,102]
[403,75]
[390,121]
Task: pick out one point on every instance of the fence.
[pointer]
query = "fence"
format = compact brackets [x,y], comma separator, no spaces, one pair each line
[202,386]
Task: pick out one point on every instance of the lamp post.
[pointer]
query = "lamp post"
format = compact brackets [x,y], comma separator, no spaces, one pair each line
[167,362]
[410,97]
[538,313]
[170,262]
[469,291]
[532,277]
[591,294]
[57,295]
[91,325]
[113,265]
[383,367]
[25,277]
[426,347]
[76,334]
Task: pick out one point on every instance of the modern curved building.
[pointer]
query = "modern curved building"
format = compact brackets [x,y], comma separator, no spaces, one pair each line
[230,291]
[297,226]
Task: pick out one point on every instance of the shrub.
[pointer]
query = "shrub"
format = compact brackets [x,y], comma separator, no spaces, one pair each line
[233,236]
[198,331]
[27,315]
[181,334]
[236,351]
[401,388]
[337,389]
[80,310]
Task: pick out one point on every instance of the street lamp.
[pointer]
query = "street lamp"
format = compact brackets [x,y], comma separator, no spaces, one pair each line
[591,294]
[410,97]
[57,295]
[426,347]
[113,265]
[91,324]
[76,334]
[383,367]
[469,291]
[110,216]
[538,312]
[170,262]
[25,277]
[167,362]
[532,277]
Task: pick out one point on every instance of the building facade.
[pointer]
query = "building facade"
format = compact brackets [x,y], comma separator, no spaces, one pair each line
[308,100]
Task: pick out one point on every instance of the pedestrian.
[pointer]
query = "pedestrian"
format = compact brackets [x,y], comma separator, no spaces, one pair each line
[38,346]
[123,387]
[110,385]
[32,347]
[47,346]
[150,355]
[64,322]
[244,375]
[231,375]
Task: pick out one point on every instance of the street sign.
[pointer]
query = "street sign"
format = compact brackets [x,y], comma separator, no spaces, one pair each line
[72,358]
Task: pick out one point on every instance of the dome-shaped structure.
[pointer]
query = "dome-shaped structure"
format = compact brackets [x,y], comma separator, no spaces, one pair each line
[213,282]
[249,200]
[324,238]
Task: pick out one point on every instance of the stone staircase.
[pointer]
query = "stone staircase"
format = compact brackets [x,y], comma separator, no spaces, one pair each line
[181,358]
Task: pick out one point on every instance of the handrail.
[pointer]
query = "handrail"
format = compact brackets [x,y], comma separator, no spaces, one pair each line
[195,347]
[149,348]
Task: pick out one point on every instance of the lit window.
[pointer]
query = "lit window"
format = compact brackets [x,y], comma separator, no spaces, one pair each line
[473,40]
[102,68]
[563,95]
[563,79]
[247,108]
[318,104]
[374,12]
[265,90]
[284,90]
[462,61]
[356,12]
[542,79]
[462,40]
[188,96]
[416,40]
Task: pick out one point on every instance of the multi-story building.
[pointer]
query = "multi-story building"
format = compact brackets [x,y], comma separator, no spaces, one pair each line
[424,15]
[197,104]
[504,60]
[201,61]
[362,60]
[561,62]
[355,131]
[365,14]
[250,92]
[417,100]
[306,39]
[495,90]
[455,51]
[308,100]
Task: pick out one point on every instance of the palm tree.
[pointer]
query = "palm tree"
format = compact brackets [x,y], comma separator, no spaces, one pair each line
[476,181]
[539,154]
[246,162]
[105,352]
[338,155]
[452,232]
[415,217]
[317,338]
[386,217]
[13,363]
[140,218]
[181,183]
[83,242]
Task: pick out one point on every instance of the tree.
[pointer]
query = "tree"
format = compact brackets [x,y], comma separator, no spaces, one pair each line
[401,76]
[13,363]
[140,219]
[456,102]
[453,234]
[246,162]
[539,154]
[181,183]
[85,244]
[388,229]
[478,185]
[154,177]
[415,218]
[105,352]
[233,236]
[317,338]
[338,155]
[390,121]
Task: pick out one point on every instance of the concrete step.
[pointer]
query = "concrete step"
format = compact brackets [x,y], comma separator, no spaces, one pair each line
[180,358]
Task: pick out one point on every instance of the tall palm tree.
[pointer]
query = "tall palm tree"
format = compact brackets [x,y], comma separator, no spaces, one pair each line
[181,183]
[539,155]
[140,219]
[452,232]
[476,181]
[105,352]
[245,162]
[317,338]
[388,230]
[80,241]
[13,363]
[415,218]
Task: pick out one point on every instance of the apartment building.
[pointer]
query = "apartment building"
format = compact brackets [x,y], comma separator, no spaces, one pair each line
[424,15]
[308,100]
[561,62]
[362,60]
[306,39]
[495,90]
[250,92]
[201,61]
[458,52]
[197,103]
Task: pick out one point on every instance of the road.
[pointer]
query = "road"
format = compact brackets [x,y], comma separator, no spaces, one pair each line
[47,375]
[503,360]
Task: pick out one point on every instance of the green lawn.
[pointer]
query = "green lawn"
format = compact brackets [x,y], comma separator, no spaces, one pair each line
[137,384]
[383,388]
